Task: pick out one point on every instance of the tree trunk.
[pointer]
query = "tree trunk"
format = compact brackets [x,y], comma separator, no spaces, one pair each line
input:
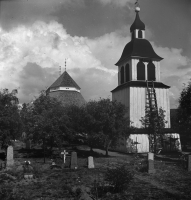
[44,149]
[106,148]
[91,149]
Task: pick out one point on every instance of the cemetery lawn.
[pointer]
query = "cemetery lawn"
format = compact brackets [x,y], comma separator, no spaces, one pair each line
[170,181]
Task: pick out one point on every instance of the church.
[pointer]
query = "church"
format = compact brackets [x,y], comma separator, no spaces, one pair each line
[66,90]
[138,67]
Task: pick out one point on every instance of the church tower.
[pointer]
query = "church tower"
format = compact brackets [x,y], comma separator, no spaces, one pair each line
[139,63]
[66,90]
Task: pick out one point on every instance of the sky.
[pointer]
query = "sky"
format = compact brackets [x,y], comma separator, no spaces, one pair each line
[36,36]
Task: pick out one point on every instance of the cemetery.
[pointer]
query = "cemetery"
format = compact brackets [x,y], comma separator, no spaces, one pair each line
[75,172]
[60,147]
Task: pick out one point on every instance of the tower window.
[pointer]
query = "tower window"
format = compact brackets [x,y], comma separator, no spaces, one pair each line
[122,75]
[151,72]
[127,72]
[140,34]
[140,71]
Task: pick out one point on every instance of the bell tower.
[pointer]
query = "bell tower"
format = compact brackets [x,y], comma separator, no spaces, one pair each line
[139,63]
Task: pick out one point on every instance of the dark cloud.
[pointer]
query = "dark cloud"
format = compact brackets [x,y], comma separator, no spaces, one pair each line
[33,78]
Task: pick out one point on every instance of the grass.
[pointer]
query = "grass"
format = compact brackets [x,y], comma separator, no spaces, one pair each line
[170,181]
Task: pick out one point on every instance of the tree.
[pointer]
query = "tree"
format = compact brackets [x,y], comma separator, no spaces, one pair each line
[184,113]
[111,121]
[154,122]
[46,122]
[10,122]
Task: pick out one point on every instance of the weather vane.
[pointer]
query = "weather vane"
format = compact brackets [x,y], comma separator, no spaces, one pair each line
[65,64]
[137,7]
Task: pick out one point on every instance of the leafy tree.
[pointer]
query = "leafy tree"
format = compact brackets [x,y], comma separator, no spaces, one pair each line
[45,122]
[154,121]
[184,112]
[10,122]
[111,121]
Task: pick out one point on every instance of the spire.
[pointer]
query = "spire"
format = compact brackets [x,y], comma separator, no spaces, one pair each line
[137,24]
[65,64]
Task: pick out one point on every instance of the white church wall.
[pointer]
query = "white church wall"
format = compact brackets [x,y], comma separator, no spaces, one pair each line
[129,146]
[137,105]
[122,96]
[163,101]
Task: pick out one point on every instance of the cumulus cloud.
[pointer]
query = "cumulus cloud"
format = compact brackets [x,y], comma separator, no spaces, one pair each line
[120,3]
[30,58]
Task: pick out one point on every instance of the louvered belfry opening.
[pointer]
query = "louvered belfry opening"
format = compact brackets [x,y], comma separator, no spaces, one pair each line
[127,74]
[151,72]
[140,71]
[122,74]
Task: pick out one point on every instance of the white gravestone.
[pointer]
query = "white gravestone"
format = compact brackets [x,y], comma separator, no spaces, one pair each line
[151,168]
[64,153]
[90,162]
[10,160]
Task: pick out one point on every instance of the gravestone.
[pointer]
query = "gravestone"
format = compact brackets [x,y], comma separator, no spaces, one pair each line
[10,160]
[151,168]
[74,164]
[189,162]
[28,144]
[64,154]
[90,162]
[28,170]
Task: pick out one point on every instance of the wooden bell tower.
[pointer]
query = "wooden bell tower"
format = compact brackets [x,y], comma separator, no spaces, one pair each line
[138,65]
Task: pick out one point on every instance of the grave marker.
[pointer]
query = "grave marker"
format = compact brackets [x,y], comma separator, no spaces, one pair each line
[90,162]
[151,168]
[64,153]
[74,164]
[28,144]
[10,160]
[189,162]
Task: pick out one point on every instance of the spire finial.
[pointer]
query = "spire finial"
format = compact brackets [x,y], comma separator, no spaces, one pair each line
[65,64]
[137,7]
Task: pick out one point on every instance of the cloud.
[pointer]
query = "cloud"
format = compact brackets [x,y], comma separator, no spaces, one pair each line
[30,57]
[120,3]
[29,54]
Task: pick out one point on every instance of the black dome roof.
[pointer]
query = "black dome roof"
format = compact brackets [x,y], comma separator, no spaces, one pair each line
[140,48]
[137,24]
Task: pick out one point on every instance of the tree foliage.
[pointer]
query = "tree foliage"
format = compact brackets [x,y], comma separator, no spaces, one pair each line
[154,122]
[10,122]
[46,122]
[184,111]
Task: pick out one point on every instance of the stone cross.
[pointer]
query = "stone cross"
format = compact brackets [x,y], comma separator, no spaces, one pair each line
[151,168]
[64,153]
[189,162]
[10,160]
[74,164]
[90,162]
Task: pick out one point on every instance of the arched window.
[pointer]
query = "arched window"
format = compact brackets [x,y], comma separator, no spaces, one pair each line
[140,71]
[140,34]
[151,72]
[122,75]
[127,72]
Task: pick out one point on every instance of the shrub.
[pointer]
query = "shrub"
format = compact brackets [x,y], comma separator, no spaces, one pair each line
[119,178]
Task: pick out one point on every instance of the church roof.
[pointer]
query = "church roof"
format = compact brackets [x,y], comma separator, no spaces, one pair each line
[140,48]
[137,24]
[65,80]
[139,84]
[68,97]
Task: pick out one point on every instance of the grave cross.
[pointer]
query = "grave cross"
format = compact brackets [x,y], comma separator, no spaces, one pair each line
[64,153]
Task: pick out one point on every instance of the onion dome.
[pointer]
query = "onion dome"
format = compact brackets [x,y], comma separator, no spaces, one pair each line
[138,49]
[137,24]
